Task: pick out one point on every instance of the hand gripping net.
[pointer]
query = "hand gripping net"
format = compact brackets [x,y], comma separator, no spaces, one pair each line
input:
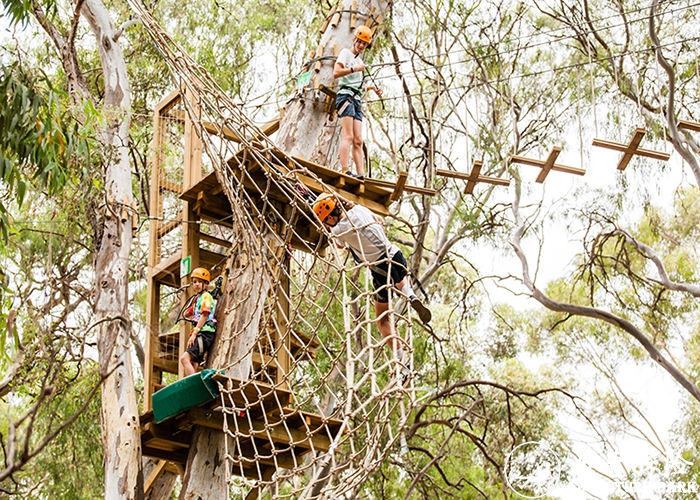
[313,400]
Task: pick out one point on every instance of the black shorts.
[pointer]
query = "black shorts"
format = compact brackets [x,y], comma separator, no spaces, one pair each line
[388,273]
[201,345]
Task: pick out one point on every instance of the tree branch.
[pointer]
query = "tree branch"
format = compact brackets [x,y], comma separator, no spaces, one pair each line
[592,312]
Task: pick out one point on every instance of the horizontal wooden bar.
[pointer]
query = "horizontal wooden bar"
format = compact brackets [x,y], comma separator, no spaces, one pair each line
[278,433]
[215,240]
[687,125]
[540,163]
[464,176]
[624,148]
[173,187]
[407,188]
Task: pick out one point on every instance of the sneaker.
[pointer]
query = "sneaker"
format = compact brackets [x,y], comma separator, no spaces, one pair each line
[423,312]
[356,176]
[405,375]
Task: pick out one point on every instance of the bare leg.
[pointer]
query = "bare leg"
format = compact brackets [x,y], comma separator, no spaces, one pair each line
[357,146]
[346,140]
[384,323]
[187,363]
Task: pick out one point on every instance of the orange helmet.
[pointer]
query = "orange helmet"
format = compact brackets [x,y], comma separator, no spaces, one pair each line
[324,205]
[202,274]
[363,33]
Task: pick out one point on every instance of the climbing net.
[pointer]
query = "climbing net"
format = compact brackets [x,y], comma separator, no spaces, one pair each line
[314,399]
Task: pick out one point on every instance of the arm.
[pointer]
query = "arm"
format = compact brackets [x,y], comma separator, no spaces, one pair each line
[339,70]
[377,90]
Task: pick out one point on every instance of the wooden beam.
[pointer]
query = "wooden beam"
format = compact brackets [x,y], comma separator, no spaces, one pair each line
[166,104]
[279,433]
[215,129]
[170,186]
[407,188]
[687,125]
[400,185]
[473,177]
[271,127]
[165,365]
[172,456]
[631,149]
[153,476]
[548,164]
[215,240]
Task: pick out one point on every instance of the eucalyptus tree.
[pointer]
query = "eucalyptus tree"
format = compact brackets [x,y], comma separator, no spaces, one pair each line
[616,46]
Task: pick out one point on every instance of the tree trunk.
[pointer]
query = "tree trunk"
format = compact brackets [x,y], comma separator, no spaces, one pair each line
[240,311]
[307,130]
[120,421]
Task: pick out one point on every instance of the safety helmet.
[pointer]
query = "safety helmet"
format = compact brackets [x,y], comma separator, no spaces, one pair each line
[363,33]
[324,205]
[202,274]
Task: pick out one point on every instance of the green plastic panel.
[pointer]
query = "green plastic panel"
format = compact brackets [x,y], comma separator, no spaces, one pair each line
[184,394]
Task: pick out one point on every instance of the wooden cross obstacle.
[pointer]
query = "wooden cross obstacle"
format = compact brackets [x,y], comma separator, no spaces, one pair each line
[631,149]
[547,165]
[473,177]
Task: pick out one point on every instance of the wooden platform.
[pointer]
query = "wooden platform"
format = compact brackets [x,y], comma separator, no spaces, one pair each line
[274,176]
[270,433]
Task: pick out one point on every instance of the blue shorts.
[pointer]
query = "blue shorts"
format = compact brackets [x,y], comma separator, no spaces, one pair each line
[353,108]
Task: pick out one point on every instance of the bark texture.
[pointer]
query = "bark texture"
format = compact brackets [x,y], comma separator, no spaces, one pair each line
[120,420]
[240,311]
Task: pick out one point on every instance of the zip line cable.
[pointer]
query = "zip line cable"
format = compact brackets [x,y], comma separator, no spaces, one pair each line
[519,48]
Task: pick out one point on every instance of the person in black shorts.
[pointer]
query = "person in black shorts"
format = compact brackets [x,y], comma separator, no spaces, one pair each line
[201,313]
[363,233]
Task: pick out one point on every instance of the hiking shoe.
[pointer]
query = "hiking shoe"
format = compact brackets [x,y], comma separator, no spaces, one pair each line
[356,176]
[423,312]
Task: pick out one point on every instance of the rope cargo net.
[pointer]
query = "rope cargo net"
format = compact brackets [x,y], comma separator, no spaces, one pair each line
[323,398]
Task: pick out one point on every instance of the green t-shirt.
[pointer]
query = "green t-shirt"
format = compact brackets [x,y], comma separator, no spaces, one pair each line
[353,80]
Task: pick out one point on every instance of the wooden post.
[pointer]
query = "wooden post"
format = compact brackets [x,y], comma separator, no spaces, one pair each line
[319,53]
[150,376]
[190,231]
[631,149]
[400,184]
